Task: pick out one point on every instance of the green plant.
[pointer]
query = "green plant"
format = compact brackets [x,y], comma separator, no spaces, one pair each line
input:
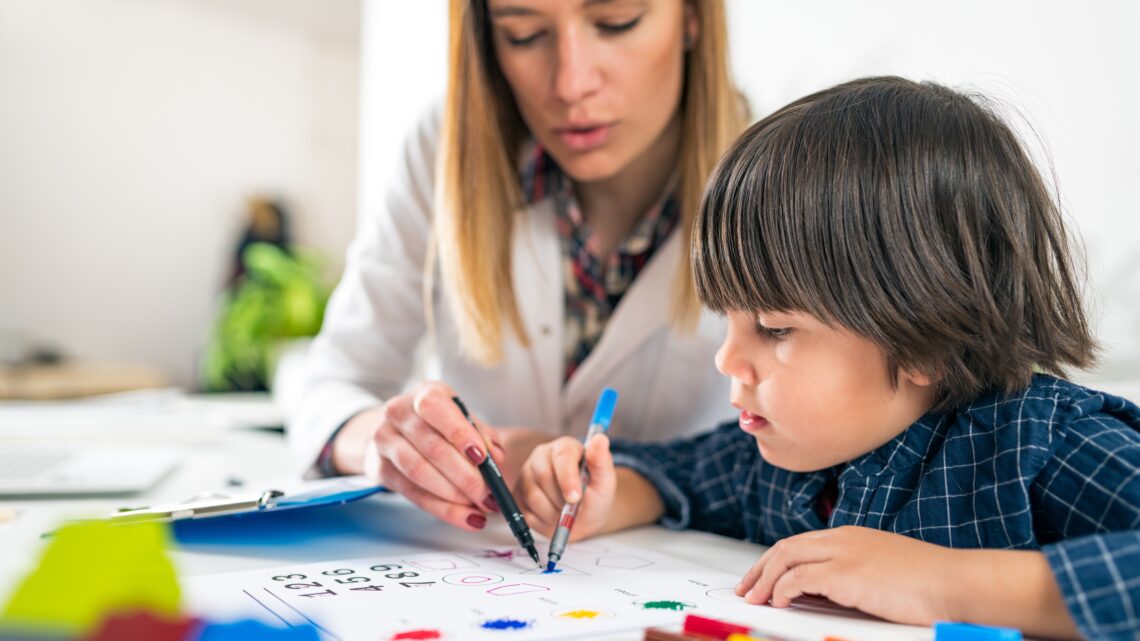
[281,296]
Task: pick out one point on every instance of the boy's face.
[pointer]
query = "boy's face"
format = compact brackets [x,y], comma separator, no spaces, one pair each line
[811,395]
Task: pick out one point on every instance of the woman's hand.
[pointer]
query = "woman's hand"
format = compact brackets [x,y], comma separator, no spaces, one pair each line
[420,445]
[550,478]
[884,574]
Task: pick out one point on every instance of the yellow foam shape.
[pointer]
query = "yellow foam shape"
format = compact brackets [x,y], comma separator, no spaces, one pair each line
[91,569]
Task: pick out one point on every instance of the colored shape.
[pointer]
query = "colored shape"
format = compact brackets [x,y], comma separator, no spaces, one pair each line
[495,554]
[552,571]
[676,606]
[249,630]
[416,635]
[92,568]
[946,631]
[581,614]
[505,624]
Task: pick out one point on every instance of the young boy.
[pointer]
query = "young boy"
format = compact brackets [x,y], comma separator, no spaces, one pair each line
[894,272]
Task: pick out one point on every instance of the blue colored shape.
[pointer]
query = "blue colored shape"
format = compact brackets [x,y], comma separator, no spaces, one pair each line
[946,631]
[249,630]
[505,624]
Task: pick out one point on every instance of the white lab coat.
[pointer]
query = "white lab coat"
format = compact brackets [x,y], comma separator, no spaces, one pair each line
[365,352]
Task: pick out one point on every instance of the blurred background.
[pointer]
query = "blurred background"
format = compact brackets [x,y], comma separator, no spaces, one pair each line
[147,145]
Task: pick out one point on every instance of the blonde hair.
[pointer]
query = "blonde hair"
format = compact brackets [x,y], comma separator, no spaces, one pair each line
[478,191]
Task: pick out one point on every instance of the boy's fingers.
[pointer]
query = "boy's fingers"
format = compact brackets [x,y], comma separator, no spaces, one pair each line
[600,463]
[807,578]
[565,458]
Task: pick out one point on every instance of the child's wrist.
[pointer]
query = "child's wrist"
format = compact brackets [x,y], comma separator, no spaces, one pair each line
[635,503]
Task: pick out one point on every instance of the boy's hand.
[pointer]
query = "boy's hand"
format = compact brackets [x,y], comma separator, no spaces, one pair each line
[884,574]
[550,478]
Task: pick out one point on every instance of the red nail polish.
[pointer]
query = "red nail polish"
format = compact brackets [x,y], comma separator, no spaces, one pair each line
[474,453]
[477,521]
[490,503]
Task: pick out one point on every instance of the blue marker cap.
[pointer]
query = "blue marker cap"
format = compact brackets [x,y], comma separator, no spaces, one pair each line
[946,631]
[604,412]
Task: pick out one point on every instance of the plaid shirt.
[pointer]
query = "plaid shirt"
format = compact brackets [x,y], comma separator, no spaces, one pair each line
[1054,467]
[593,284]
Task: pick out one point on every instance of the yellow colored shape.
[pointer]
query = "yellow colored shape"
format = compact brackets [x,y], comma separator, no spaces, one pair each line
[581,614]
[737,636]
[91,569]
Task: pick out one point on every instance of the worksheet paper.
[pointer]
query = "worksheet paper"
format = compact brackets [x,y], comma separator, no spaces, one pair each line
[597,589]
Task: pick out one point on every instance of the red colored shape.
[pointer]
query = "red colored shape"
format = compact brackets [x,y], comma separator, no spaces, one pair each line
[711,627]
[417,634]
[144,625]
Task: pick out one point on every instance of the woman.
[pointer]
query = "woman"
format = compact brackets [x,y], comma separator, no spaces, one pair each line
[538,234]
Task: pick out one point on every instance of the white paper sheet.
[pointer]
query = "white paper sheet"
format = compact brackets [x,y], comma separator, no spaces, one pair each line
[599,588]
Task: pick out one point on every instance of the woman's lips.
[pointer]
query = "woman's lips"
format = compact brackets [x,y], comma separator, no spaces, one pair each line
[751,423]
[585,138]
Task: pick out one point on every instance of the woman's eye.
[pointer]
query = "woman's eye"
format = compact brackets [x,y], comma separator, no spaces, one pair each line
[620,27]
[523,40]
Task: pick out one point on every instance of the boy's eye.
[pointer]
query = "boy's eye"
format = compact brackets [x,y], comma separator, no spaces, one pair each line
[619,27]
[773,333]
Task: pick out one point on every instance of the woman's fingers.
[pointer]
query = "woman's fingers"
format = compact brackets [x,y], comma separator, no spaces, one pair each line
[460,515]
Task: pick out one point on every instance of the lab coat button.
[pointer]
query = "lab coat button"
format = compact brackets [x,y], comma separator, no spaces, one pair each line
[545,329]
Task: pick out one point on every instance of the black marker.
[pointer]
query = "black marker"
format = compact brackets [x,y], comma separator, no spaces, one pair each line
[502,495]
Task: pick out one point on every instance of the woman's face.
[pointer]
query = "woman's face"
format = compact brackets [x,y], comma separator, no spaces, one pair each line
[596,81]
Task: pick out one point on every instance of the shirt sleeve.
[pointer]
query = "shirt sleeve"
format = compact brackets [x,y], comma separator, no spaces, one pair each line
[698,478]
[1088,501]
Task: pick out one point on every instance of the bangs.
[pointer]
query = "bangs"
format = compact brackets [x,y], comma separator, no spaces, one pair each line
[779,225]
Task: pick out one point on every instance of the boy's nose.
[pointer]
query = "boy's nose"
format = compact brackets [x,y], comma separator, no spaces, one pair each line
[730,362]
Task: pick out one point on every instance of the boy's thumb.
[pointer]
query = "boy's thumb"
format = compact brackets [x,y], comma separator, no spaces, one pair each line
[599,461]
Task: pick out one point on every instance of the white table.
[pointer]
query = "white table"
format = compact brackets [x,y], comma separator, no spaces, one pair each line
[261,458]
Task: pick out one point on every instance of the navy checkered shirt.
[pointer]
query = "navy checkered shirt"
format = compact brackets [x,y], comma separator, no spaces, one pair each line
[1054,467]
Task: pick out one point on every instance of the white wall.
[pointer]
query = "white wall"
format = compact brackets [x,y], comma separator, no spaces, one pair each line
[1072,69]
[131,132]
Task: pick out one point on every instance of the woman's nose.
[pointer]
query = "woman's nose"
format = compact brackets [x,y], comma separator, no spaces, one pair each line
[577,75]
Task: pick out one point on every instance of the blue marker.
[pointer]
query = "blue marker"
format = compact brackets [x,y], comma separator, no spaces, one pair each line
[946,631]
[603,414]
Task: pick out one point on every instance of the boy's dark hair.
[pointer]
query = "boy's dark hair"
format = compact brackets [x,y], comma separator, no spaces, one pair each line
[908,213]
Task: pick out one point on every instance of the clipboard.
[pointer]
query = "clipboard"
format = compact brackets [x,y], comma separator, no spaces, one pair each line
[334,491]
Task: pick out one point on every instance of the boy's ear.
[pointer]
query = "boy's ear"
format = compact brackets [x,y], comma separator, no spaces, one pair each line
[921,379]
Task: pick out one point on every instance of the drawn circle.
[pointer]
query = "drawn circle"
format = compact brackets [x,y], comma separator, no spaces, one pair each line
[582,614]
[665,605]
[725,594]
[472,580]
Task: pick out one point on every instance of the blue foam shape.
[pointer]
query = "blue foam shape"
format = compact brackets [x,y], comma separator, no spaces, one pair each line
[249,630]
[947,631]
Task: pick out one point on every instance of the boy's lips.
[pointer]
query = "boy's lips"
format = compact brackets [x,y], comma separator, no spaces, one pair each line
[750,422]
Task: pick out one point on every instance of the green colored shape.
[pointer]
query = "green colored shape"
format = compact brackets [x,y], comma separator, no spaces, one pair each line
[676,606]
[92,569]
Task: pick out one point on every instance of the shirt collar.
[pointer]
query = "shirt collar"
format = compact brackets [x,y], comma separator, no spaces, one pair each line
[905,450]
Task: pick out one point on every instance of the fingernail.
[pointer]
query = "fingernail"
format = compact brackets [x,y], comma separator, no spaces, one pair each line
[474,453]
[572,496]
[491,504]
[477,521]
